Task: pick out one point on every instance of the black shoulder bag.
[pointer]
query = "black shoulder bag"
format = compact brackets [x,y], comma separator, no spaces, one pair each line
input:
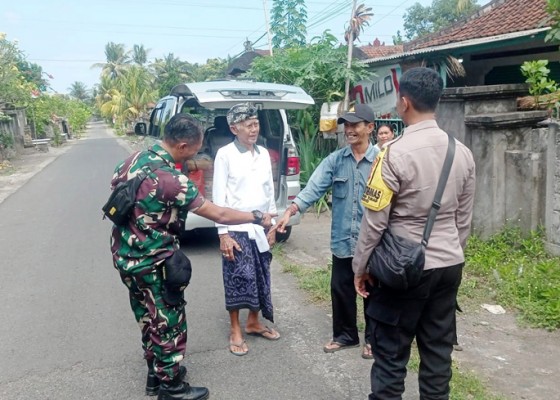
[123,197]
[398,262]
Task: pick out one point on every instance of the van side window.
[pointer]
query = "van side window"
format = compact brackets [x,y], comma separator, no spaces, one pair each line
[275,123]
[155,120]
[161,115]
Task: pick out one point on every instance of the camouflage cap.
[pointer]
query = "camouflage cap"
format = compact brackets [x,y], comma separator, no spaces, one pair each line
[241,112]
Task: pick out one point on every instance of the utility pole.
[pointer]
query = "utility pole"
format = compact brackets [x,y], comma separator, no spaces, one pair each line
[349,63]
[267,27]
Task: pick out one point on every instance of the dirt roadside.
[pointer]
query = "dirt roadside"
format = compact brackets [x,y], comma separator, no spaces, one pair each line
[17,171]
[516,362]
[519,363]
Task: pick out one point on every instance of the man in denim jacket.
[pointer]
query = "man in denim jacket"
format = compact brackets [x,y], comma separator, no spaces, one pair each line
[346,172]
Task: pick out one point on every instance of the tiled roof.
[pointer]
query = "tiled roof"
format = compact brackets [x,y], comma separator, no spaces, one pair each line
[377,49]
[496,18]
[381,51]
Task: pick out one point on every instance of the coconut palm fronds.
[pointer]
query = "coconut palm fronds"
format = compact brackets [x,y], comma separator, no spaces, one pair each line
[358,22]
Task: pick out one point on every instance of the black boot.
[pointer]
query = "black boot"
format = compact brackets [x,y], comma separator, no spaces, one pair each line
[152,381]
[181,391]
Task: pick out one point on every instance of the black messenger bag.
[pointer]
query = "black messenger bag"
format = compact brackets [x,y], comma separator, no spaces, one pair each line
[123,197]
[398,262]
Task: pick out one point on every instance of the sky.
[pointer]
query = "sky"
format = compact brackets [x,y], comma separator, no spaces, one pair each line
[67,37]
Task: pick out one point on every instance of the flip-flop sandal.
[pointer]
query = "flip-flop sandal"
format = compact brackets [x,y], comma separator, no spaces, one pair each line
[339,346]
[275,335]
[366,352]
[240,345]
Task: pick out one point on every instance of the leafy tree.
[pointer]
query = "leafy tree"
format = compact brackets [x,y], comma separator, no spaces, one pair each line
[319,68]
[420,21]
[553,8]
[46,108]
[215,68]
[397,39]
[288,23]
[79,91]
[15,89]
[33,73]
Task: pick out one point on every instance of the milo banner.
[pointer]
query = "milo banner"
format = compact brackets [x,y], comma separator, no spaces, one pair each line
[380,91]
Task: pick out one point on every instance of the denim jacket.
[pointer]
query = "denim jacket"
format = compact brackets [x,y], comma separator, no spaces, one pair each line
[347,178]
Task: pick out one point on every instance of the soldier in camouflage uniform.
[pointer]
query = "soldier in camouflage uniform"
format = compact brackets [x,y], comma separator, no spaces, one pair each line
[141,246]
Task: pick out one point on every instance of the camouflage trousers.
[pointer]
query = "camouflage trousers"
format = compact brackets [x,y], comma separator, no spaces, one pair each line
[163,327]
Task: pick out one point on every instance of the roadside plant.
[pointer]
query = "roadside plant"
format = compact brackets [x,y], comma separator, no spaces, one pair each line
[536,74]
[6,140]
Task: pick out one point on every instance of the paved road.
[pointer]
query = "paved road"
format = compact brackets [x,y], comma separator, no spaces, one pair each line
[68,332]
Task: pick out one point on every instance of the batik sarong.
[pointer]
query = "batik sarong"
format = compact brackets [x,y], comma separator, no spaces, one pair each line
[247,278]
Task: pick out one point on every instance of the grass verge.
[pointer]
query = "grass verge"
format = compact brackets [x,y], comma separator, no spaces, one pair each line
[516,272]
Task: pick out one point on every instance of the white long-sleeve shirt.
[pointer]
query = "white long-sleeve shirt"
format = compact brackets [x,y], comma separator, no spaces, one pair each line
[243,181]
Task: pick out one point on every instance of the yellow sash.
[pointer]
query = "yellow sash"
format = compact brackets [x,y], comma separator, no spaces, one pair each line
[377,195]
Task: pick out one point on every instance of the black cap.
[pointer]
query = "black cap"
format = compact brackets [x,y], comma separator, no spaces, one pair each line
[361,112]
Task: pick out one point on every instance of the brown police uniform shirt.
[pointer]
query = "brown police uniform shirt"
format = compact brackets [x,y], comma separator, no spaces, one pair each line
[402,194]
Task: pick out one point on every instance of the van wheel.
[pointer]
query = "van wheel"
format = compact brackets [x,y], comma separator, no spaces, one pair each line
[282,237]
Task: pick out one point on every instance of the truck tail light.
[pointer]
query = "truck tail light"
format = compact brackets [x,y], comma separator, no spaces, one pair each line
[292,163]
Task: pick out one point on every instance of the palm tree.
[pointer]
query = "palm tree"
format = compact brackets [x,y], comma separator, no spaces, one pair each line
[170,71]
[79,91]
[360,18]
[137,87]
[117,60]
[128,100]
[139,54]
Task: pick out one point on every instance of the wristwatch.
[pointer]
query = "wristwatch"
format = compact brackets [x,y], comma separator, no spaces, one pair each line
[258,217]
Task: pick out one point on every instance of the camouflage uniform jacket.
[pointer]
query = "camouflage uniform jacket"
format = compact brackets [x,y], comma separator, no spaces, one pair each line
[162,202]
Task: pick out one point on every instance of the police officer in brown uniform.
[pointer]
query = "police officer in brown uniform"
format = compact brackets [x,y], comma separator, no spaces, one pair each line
[408,173]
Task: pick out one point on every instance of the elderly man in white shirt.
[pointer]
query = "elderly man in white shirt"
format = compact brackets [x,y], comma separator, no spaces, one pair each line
[243,181]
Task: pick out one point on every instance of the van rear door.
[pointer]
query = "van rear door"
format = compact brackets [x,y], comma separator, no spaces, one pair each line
[224,94]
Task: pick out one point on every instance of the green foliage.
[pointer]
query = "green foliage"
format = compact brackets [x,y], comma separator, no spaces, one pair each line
[315,281]
[536,74]
[15,89]
[288,21]
[170,71]
[33,73]
[118,60]
[520,273]
[419,20]
[79,91]
[553,8]
[466,385]
[319,68]
[46,109]
[214,68]
[397,39]
[6,140]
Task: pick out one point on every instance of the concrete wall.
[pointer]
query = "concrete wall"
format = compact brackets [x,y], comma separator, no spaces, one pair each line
[518,162]
[552,201]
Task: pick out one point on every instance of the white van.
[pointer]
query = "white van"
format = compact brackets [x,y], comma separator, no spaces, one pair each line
[209,102]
